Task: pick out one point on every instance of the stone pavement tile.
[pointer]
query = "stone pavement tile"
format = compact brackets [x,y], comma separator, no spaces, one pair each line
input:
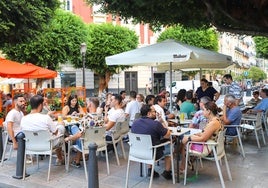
[247,173]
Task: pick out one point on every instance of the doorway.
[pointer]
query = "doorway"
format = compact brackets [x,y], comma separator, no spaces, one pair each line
[131,81]
[159,82]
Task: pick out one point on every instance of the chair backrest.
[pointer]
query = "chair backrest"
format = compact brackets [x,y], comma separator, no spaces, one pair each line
[37,140]
[258,124]
[124,127]
[220,146]
[117,131]
[137,115]
[96,134]
[140,146]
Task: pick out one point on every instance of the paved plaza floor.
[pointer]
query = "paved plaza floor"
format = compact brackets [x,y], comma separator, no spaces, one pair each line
[251,172]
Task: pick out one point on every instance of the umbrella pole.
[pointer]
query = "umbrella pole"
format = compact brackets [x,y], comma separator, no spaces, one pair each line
[170,87]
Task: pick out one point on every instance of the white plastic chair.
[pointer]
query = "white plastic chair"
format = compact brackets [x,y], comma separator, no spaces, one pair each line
[141,150]
[40,143]
[97,135]
[256,126]
[218,153]
[6,144]
[238,136]
[116,138]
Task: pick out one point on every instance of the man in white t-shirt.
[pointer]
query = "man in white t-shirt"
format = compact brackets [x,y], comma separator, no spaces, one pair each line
[114,115]
[132,107]
[35,121]
[13,119]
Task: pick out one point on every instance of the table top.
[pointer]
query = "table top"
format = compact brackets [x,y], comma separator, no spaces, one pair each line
[186,121]
[188,131]
[72,122]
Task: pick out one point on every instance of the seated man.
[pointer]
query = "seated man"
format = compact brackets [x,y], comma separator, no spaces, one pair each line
[231,114]
[162,114]
[255,99]
[187,106]
[114,115]
[199,120]
[263,105]
[147,125]
[36,121]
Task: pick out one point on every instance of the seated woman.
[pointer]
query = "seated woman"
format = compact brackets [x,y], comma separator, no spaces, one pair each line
[210,132]
[73,108]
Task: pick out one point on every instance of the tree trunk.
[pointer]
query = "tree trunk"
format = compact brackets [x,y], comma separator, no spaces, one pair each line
[103,82]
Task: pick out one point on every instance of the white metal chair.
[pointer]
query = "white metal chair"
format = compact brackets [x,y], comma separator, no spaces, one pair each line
[238,136]
[6,144]
[256,126]
[97,135]
[40,143]
[218,153]
[116,138]
[141,150]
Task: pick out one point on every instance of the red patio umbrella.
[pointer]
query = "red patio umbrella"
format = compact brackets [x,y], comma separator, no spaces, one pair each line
[12,69]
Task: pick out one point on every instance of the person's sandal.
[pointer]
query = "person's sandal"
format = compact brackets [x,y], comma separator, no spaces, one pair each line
[76,165]
[59,162]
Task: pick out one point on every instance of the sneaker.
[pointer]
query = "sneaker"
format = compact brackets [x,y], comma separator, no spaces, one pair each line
[167,175]
[59,162]
[156,175]
[125,138]
[76,165]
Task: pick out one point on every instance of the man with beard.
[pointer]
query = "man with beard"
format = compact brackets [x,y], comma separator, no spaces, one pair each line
[13,119]
[147,125]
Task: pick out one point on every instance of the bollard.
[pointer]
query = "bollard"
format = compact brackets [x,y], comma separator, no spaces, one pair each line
[92,167]
[1,143]
[20,156]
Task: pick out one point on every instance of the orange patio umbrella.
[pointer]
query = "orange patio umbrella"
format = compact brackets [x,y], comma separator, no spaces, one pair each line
[40,72]
[12,69]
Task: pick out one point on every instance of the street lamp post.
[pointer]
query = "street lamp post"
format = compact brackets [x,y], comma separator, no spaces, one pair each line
[83,50]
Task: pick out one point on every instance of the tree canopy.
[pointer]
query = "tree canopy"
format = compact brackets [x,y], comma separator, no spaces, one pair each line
[254,73]
[242,17]
[24,19]
[58,43]
[261,46]
[105,40]
[202,37]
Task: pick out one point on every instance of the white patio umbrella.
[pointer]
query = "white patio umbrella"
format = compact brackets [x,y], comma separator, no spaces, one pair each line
[12,81]
[170,55]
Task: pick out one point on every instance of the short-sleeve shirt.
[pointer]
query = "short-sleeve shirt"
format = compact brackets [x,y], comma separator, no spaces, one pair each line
[37,122]
[234,115]
[235,90]
[151,127]
[198,118]
[263,105]
[187,107]
[15,116]
[132,108]
[209,92]
[115,115]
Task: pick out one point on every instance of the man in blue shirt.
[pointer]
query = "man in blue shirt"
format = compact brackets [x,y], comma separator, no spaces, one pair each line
[231,114]
[263,105]
[147,125]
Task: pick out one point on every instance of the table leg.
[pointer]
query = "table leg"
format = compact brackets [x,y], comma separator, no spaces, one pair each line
[178,159]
